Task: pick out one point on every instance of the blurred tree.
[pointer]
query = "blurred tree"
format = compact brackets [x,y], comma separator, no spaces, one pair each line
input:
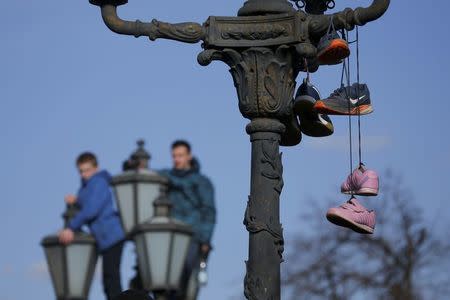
[404,260]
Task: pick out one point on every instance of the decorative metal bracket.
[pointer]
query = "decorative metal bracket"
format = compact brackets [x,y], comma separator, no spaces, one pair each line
[188,32]
[314,7]
[249,31]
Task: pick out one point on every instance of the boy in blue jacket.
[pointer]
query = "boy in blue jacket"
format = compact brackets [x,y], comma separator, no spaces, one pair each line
[95,202]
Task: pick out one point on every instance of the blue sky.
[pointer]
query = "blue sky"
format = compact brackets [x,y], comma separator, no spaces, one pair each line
[68,84]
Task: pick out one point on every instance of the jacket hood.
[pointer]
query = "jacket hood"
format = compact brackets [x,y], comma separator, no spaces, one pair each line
[195,165]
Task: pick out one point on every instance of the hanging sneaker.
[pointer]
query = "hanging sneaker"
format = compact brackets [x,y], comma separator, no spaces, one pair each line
[362,181]
[293,135]
[332,49]
[349,100]
[353,215]
[312,123]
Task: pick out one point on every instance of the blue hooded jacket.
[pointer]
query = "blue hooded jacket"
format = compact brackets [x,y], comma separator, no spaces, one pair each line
[95,201]
[192,197]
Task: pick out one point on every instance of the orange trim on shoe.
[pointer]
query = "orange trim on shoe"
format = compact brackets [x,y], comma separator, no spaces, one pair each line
[321,107]
[335,52]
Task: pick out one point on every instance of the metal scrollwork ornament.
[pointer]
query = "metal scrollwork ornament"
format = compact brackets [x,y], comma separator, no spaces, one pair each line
[314,6]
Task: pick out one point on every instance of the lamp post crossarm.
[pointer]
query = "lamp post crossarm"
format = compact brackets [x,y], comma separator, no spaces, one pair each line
[188,32]
[348,18]
[262,30]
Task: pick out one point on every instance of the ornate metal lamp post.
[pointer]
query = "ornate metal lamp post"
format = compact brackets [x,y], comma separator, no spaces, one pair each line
[71,266]
[265,47]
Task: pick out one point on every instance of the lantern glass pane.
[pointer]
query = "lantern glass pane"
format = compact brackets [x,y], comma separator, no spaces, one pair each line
[143,260]
[180,247]
[55,261]
[158,245]
[125,203]
[91,269]
[147,193]
[78,260]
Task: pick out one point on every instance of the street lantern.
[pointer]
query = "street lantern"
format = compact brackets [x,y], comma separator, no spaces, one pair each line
[162,245]
[71,266]
[136,189]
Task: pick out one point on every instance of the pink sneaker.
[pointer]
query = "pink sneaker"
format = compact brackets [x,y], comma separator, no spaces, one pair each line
[362,181]
[353,215]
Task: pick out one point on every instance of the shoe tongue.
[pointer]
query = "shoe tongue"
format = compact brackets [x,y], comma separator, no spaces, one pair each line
[355,205]
[339,91]
[358,171]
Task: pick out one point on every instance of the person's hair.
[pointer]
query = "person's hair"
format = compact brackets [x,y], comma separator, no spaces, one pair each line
[181,143]
[87,157]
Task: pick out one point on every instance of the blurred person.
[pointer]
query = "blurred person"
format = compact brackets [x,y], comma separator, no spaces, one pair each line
[95,201]
[192,196]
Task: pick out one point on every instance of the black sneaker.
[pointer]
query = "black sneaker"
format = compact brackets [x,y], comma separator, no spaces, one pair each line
[350,100]
[332,49]
[312,123]
[293,135]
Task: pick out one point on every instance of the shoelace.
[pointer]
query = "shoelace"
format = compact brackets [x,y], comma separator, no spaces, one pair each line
[335,92]
[357,94]
[350,205]
[346,70]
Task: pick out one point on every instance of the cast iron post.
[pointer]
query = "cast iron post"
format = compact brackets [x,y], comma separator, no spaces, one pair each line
[265,47]
[262,217]
[265,82]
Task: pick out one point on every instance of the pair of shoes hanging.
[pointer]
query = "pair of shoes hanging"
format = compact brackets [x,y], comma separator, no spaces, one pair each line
[311,123]
[352,214]
[346,100]
[331,50]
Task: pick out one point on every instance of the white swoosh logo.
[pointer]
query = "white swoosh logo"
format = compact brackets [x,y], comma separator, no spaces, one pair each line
[354,101]
[322,119]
